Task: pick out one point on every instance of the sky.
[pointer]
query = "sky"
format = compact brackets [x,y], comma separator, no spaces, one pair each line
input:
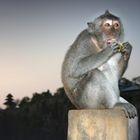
[35,35]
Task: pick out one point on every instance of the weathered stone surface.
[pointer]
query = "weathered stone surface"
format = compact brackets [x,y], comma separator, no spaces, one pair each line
[107,124]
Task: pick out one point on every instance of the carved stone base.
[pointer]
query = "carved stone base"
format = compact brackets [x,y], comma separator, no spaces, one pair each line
[106,124]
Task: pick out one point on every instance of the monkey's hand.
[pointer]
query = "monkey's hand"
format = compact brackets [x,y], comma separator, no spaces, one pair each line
[129,109]
[126,50]
[115,46]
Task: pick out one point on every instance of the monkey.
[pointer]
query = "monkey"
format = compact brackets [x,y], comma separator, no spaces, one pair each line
[94,64]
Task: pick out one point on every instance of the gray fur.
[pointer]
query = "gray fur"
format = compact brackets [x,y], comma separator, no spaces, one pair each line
[91,68]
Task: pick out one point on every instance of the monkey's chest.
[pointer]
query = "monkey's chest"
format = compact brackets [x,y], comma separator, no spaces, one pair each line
[112,65]
[111,73]
[111,68]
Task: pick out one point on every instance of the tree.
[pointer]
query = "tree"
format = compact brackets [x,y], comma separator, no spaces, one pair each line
[24,102]
[10,103]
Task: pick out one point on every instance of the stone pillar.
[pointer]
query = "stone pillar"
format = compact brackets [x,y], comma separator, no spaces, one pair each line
[106,124]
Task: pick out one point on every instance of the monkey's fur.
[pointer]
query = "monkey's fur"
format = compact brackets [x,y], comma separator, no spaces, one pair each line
[94,64]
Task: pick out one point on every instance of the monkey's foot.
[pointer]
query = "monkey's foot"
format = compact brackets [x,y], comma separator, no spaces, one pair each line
[129,109]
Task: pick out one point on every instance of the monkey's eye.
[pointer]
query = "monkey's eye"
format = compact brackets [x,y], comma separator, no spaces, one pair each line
[107,25]
[116,25]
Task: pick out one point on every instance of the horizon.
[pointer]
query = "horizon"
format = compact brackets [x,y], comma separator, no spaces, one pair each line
[35,36]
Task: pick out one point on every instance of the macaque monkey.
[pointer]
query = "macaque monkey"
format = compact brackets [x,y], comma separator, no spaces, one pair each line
[94,64]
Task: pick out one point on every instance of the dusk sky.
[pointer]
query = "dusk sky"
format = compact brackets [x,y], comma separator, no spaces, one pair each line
[35,35]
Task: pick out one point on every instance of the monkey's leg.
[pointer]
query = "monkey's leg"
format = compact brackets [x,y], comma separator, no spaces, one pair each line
[125,58]
[129,108]
[94,91]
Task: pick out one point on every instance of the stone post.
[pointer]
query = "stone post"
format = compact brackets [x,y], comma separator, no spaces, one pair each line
[106,124]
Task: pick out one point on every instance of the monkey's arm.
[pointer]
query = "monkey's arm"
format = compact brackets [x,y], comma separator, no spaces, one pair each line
[93,61]
[123,63]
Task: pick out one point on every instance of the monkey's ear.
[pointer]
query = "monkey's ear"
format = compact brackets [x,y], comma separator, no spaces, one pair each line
[90,27]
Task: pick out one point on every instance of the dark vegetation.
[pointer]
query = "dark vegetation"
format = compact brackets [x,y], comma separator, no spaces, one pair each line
[43,117]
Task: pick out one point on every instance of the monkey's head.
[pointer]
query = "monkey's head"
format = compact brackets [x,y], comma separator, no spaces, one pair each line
[107,29]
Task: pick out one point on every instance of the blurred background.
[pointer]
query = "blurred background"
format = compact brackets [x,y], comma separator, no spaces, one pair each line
[35,35]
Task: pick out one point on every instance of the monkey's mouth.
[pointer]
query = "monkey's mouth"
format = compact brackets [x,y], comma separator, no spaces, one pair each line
[111,40]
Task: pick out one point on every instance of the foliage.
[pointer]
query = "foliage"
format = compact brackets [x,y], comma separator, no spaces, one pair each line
[44,117]
[10,104]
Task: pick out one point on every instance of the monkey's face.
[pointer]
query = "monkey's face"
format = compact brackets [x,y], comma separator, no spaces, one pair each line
[111,30]
[107,29]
